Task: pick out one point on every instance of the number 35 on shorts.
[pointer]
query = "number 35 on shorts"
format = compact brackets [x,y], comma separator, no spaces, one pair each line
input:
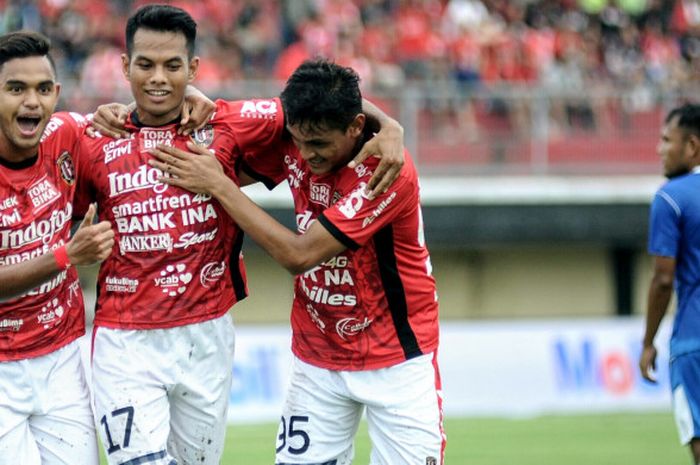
[293,437]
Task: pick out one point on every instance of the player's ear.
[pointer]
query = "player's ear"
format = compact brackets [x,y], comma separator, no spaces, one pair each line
[357,125]
[57,89]
[193,67]
[125,65]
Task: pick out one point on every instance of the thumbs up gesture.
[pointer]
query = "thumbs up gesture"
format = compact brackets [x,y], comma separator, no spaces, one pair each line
[91,243]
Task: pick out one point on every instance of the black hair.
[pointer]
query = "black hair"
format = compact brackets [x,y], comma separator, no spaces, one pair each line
[322,95]
[162,18]
[688,116]
[24,44]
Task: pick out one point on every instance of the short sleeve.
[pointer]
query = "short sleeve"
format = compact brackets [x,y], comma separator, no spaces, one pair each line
[664,225]
[354,219]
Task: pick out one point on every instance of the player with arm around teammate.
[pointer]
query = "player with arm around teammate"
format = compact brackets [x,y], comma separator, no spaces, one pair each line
[365,312]
[45,414]
[674,243]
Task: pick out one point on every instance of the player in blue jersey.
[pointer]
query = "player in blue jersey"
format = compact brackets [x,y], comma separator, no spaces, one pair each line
[674,244]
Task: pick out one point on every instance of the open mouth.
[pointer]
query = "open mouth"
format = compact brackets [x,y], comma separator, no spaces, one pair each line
[28,124]
[157,93]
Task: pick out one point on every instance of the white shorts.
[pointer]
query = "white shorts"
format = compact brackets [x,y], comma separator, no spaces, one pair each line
[161,395]
[45,414]
[323,408]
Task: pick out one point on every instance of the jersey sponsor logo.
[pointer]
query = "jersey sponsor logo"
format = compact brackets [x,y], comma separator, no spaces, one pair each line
[160,203]
[50,314]
[296,174]
[349,327]
[66,168]
[114,284]
[145,177]
[145,243]
[174,279]
[211,273]
[78,118]
[38,231]
[146,223]
[51,127]
[117,149]
[11,324]
[8,219]
[304,220]
[316,318]
[362,171]
[192,238]
[43,193]
[354,201]
[203,137]
[8,203]
[50,285]
[378,211]
[73,292]
[150,138]
[321,295]
[259,109]
[320,193]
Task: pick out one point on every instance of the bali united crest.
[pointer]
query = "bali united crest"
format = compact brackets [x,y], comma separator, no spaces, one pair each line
[203,137]
[66,168]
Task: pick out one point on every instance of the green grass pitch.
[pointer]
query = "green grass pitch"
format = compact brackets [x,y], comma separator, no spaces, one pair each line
[605,439]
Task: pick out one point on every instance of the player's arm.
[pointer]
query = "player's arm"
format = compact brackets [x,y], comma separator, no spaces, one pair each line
[387,144]
[109,119]
[659,296]
[90,244]
[204,174]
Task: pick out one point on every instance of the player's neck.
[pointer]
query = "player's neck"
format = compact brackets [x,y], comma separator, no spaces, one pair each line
[16,155]
[143,118]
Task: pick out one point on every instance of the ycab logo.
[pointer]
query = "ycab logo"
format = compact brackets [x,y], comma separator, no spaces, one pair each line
[173,279]
[259,108]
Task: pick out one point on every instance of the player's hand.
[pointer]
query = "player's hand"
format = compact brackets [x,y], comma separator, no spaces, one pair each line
[387,144]
[109,119]
[197,171]
[647,363]
[91,243]
[196,112]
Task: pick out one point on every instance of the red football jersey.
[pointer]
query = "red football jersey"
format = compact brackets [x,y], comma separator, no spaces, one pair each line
[36,209]
[375,304]
[177,257]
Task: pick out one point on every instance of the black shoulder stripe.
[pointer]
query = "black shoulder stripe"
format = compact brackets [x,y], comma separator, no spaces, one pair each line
[337,233]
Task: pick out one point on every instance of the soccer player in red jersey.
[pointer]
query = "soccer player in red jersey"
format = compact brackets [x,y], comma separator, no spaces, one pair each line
[45,414]
[163,343]
[365,311]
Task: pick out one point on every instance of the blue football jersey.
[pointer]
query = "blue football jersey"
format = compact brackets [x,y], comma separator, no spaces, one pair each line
[674,231]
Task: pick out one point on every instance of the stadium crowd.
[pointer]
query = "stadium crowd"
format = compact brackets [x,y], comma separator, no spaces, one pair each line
[558,46]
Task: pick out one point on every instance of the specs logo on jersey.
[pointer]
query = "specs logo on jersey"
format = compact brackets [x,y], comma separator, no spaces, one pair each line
[378,211]
[211,273]
[320,193]
[150,138]
[259,109]
[354,201]
[174,279]
[348,327]
[66,168]
[43,193]
[203,137]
